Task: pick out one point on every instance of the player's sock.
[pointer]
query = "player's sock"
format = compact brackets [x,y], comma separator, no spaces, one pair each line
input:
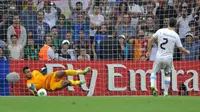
[153,79]
[77,82]
[167,83]
[73,72]
[76,72]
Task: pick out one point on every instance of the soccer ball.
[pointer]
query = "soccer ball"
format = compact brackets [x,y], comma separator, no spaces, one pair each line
[42,92]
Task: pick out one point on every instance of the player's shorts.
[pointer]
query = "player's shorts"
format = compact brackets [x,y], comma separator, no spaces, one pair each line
[56,83]
[163,63]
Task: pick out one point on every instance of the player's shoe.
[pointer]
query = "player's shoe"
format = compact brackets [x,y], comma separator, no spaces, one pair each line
[82,82]
[153,91]
[86,70]
[165,95]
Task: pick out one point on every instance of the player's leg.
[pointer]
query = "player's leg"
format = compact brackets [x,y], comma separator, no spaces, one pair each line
[64,83]
[156,68]
[58,83]
[167,69]
[63,73]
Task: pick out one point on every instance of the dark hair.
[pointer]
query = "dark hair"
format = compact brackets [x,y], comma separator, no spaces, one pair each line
[82,47]
[13,35]
[61,16]
[172,22]
[95,5]
[54,27]
[126,6]
[79,3]
[41,12]
[81,31]
[25,68]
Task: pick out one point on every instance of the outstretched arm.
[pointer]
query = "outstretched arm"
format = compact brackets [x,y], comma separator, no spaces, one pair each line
[182,49]
[70,6]
[32,89]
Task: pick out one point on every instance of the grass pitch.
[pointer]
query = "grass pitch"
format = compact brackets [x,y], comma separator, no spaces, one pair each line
[100,104]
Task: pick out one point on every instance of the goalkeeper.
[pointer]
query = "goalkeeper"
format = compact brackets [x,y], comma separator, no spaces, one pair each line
[53,81]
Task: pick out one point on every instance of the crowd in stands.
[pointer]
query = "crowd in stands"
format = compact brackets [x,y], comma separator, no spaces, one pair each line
[104,30]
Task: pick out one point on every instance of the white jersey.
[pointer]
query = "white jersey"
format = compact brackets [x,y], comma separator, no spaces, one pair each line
[167,39]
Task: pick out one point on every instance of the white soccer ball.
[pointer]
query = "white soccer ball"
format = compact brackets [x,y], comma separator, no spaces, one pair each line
[42,92]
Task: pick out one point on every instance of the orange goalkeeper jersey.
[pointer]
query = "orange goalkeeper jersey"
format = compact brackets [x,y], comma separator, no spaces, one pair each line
[39,80]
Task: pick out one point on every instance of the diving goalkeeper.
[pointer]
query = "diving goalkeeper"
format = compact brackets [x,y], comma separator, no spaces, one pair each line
[53,81]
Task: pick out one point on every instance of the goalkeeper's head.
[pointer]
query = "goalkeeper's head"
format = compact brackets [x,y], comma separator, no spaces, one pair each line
[27,72]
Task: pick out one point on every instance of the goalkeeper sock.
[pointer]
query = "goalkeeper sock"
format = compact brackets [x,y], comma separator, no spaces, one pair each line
[153,79]
[76,72]
[167,83]
[74,83]
[73,72]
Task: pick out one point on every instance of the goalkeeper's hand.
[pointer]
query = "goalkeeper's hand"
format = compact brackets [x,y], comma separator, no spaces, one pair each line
[32,89]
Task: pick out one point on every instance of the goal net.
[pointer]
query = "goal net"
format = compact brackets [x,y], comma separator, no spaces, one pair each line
[110,36]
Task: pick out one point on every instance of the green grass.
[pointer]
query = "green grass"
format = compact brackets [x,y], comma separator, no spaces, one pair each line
[100,104]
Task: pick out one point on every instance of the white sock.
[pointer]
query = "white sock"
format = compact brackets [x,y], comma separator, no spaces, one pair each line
[167,83]
[153,80]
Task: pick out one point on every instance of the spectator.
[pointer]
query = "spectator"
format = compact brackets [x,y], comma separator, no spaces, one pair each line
[150,26]
[51,13]
[183,20]
[68,37]
[83,54]
[77,52]
[194,30]
[64,51]
[2,57]
[139,45]
[2,44]
[164,10]
[142,23]
[126,28]
[148,7]
[3,25]
[190,45]
[56,41]
[11,11]
[46,52]
[31,50]
[105,9]
[78,9]
[165,23]
[124,47]
[16,49]
[63,25]
[17,29]
[28,16]
[80,24]
[55,49]
[119,13]
[135,12]
[83,41]
[39,29]
[110,49]
[103,34]
[26,6]
[96,20]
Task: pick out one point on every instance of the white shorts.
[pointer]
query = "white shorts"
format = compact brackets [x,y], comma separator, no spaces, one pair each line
[163,63]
